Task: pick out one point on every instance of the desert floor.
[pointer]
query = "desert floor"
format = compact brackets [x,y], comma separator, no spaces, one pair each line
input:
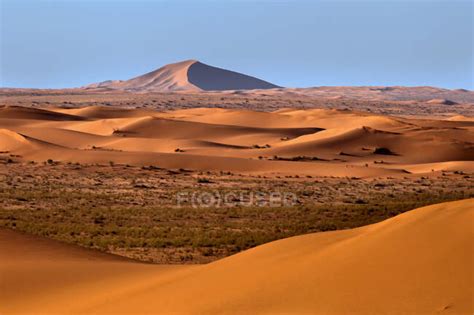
[217,203]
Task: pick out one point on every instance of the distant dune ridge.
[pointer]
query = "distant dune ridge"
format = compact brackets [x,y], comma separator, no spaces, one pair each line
[188,75]
[419,262]
[194,76]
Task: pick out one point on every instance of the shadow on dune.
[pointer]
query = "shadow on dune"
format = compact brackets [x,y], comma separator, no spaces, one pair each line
[211,79]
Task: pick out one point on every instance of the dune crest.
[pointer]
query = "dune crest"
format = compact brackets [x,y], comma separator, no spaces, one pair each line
[20,112]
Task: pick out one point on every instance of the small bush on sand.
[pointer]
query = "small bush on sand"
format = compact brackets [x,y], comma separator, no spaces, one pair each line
[383,151]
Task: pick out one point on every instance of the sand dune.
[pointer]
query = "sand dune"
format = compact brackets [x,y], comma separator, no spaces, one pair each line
[41,271]
[63,137]
[465,166]
[441,101]
[288,142]
[361,143]
[323,118]
[101,112]
[10,140]
[419,262]
[460,118]
[188,75]
[17,112]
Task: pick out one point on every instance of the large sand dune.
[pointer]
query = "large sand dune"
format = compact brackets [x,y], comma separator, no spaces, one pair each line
[420,262]
[188,75]
[285,142]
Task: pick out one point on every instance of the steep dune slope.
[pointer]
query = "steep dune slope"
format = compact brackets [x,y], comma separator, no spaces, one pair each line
[419,262]
[210,78]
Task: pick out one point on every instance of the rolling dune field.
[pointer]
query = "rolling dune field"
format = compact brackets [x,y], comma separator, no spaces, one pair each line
[304,142]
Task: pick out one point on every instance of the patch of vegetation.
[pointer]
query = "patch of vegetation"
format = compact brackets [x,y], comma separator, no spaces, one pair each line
[266,146]
[203,180]
[133,211]
[383,151]
[192,235]
[300,158]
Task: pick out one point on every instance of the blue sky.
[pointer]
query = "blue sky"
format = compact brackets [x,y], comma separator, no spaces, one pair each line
[67,43]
